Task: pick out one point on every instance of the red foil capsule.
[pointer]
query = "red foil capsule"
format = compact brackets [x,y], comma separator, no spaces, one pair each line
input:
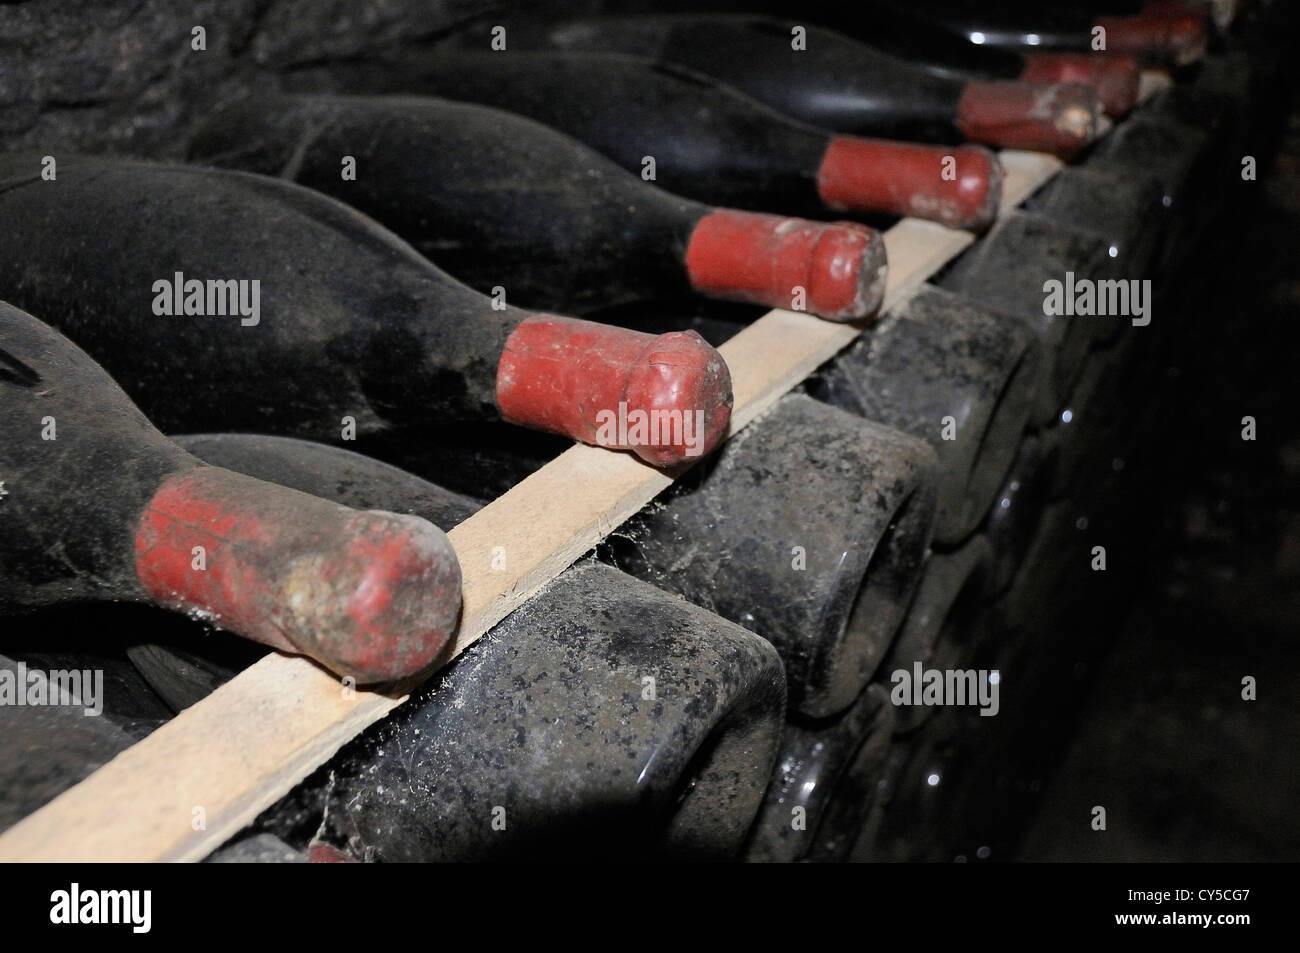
[666,397]
[1060,118]
[1115,76]
[836,268]
[959,187]
[370,594]
[1180,38]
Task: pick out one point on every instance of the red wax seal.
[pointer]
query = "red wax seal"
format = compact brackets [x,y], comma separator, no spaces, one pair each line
[960,187]
[835,270]
[1114,76]
[1060,118]
[665,397]
[370,594]
[1179,37]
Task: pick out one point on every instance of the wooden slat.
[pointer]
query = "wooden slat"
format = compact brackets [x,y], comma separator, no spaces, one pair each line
[243,747]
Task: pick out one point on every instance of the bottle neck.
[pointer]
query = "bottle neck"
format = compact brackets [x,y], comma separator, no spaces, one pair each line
[823,78]
[79,463]
[918,36]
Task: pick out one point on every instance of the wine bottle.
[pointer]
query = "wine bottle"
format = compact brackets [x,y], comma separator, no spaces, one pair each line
[222,300]
[600,698]
[1020,503]
[332,473]
[946,745]
[838,83]
[706,140]
[98,505]
[1060,10]
[948,608]
[1041,594]
[1173,38]
[928,41]
[960,377]
[809,529]
[1093,437]
[523,722]
[502,201]
[828,778]
[1124,209]
[1166,151]
[1007,272]
[917,823]
[183,673]
[49,742]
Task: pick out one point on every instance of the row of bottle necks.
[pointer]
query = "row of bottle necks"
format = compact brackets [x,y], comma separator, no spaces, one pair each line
[553,216]
[364,331]
[830,619]
[659,657]
[606,717]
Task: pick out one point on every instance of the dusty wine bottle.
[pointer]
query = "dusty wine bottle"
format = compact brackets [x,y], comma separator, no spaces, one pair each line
[1020,502]
[1041,594]
[1174,37]
[98,505]
[809,528]
[942,743]
[222,300]
[39,714]
[1126,210]
[182,673]
[930,40]
[947,612]
[836,82]
[926,40]
[707,141]
[960,377]
[1092,436]
[1170,153]
[523,721]
[333,473]
[1008,272]
[601,719]
[500,200]
[915,826]
[829,776]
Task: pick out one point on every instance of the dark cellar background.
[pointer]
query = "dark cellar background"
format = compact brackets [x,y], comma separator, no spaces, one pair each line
[1136,701]
[1194,774]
